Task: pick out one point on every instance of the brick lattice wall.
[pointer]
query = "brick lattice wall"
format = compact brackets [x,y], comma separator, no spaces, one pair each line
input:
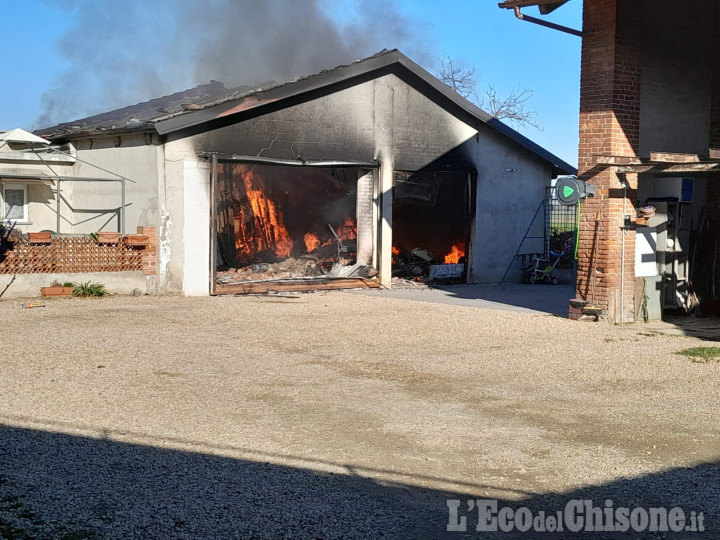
[77,255]
[70,256]
[609,125]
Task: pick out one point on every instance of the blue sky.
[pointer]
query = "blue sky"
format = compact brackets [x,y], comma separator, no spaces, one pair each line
[506,52]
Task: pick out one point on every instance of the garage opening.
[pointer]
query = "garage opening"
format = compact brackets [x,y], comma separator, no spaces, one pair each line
[288,228]
[432,217]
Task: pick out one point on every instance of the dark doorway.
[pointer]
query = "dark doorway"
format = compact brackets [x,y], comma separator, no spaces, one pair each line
[432,213]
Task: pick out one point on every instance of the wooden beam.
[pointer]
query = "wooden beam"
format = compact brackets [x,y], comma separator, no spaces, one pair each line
[693,167]
[603,159]
[635,168]
[299,285]
[714,153]
[673,157]
[681,168]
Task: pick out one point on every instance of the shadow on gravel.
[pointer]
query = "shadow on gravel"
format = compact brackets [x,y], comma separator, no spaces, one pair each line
[61,486]
[705,328]
[551,299]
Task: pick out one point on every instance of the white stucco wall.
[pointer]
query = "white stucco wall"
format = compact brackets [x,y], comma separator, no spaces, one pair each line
[196,227]
[29,285]
[511,186]
[133,156]
[184,206]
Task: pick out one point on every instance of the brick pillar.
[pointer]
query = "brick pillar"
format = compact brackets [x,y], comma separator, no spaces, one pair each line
[149,254]
[364,214]
[609,125]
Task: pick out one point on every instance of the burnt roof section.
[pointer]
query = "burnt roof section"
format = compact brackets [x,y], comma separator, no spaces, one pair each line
[142,116]
[216,106]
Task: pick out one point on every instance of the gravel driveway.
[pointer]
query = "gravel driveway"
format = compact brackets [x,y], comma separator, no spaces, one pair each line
[335,415]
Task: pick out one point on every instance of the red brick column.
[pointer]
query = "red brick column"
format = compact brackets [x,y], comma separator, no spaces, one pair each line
[609,125]
[149,254]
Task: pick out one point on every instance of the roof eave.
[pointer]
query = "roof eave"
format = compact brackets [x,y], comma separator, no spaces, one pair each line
[548,5]
[99,133]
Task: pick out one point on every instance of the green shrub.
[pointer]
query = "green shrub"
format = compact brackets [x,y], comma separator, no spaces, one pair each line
[89,288]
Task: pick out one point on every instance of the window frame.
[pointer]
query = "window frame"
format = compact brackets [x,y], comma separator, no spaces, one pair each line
[26,210]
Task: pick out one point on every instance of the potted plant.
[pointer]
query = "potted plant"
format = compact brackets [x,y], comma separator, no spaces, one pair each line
[135,240]
[106,237]
[57,289]
[39,237]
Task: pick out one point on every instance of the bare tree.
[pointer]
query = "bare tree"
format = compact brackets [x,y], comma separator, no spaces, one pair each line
[460,78]
[512,108]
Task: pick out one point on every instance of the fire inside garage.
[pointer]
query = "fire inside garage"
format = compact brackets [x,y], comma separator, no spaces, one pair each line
[280,222]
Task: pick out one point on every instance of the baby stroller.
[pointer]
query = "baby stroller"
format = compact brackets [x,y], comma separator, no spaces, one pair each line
[542,272]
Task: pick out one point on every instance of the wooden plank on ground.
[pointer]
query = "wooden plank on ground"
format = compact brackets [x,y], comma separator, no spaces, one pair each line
[260,287]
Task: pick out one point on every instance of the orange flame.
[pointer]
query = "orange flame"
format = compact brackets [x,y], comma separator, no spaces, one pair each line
[267,219]
[395,251]
[348,230]
[456,253]
[312,242]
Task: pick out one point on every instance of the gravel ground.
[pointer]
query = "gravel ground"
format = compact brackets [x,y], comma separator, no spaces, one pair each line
[335,415]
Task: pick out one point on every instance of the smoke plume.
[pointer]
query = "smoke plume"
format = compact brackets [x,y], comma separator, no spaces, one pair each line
[121,52]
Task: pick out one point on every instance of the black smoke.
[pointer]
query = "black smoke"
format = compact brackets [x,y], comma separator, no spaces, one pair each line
[122,52]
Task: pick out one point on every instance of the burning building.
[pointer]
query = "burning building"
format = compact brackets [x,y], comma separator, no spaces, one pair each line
[355,173]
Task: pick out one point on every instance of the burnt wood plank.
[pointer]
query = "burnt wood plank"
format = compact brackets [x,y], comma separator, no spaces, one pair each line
[259,287]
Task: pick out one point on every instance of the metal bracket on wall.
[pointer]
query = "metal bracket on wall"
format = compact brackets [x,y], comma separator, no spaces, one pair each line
[527,18]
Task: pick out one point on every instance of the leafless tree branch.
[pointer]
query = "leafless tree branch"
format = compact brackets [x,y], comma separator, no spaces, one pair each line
[459,77]
[512,108]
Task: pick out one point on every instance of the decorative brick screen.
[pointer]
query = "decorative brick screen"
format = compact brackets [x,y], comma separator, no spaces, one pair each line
[70,256]
[76,255]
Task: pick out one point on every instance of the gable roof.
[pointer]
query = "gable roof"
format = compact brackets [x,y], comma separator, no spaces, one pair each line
[20,137]
[210,106]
